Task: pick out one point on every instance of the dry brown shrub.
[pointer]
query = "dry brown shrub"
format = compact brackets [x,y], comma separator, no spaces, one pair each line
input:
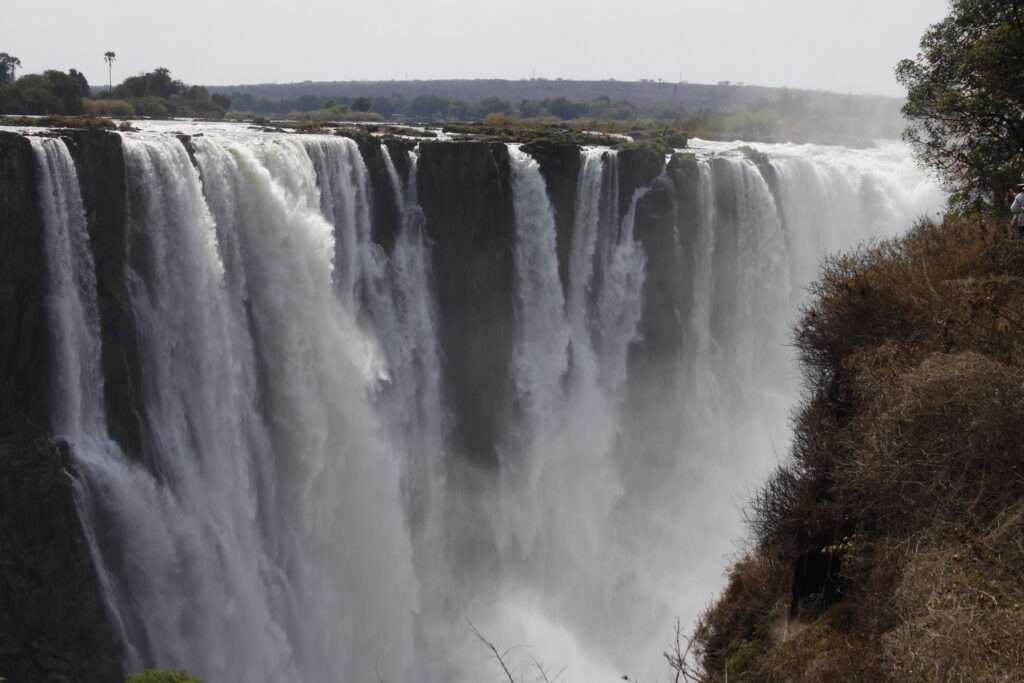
[945,441]
[887,292]
[823,651]
[983,314]
[962,609]
[794,509]
[1003,256]
[908,462]
[757,588]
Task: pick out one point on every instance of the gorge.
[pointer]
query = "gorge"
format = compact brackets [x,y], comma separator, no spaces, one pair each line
[288,407]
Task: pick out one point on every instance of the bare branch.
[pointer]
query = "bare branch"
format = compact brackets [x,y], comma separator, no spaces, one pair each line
[494,652]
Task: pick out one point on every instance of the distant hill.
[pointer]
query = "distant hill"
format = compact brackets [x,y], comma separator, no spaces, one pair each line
[725,110]
[694,97]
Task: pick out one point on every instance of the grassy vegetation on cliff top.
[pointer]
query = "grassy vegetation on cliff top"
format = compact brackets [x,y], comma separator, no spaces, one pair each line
[159,676]
[889,547]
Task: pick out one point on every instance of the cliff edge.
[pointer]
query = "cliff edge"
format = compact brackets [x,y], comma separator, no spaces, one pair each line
[888,547]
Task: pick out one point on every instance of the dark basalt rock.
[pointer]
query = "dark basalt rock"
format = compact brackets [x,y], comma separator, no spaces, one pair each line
[817,580]
[651,417]
[464,190]
[767,170]
[386,218]
[399,149]
[53,625]
[384,209]
[639,165]
[53,622]
[99,159]
[24,343]
[725,256]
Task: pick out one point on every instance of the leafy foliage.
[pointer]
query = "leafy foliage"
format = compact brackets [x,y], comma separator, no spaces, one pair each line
[157,94]
[53,92]
[966,99]
[8,65]
[156,83]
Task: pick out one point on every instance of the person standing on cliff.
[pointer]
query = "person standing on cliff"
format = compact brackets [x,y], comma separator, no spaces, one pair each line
[1017,211]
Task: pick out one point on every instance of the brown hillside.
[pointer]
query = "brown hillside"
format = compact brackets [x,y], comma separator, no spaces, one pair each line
[891,546]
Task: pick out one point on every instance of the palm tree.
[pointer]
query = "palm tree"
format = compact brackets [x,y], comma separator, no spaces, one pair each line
[109,58]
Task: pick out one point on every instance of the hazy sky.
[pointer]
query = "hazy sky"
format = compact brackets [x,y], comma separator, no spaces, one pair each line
[841,45]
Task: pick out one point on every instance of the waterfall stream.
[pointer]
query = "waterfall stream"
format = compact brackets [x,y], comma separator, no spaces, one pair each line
[294,512]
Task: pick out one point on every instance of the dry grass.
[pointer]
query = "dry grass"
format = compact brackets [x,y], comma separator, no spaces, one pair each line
[961,608]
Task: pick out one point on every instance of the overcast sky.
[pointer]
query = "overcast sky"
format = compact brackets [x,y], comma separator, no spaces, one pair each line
[840,45]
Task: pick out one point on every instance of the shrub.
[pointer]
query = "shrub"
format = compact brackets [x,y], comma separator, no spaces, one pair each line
[961,607]
[499,119]
[121,109]
[907,465]
[152,106]
[156,676]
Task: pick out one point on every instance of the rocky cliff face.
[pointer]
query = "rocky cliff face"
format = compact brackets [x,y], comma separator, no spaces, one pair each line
[53,622]
[653,396]
[386,219]
[53,626]
[99,160]
[465,194]
[560,166]
[24,346]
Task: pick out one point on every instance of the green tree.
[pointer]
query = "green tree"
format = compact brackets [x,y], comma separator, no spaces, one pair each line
[31,94]
[361,104]
[965,100]
[495,105]
[388,106]
[80,80]
[531,109]
[459,110]
[565,110]
[428,106]
[68,89]
[8,65]
[220,101]
[156,83]
[599,105]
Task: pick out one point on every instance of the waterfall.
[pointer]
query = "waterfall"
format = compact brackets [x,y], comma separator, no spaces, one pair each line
[541,356]
[77,404]
[296,506]
[345,203]
[581,258]
[401,305]
[77,407]
[263,441]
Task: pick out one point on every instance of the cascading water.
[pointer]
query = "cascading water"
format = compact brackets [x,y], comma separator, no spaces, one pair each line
[292,513]
[77,405]
[74,316]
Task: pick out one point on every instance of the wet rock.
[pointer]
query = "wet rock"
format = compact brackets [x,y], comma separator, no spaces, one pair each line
[24,344]
[639,165]
[53,622]
[99,159]
[560,167]
[465,192]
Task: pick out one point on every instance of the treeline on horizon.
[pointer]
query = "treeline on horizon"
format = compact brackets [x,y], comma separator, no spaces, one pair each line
[775,114]
[788,113]
[153,94]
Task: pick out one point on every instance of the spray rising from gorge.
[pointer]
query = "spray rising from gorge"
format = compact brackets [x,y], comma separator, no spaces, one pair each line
[382,390]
